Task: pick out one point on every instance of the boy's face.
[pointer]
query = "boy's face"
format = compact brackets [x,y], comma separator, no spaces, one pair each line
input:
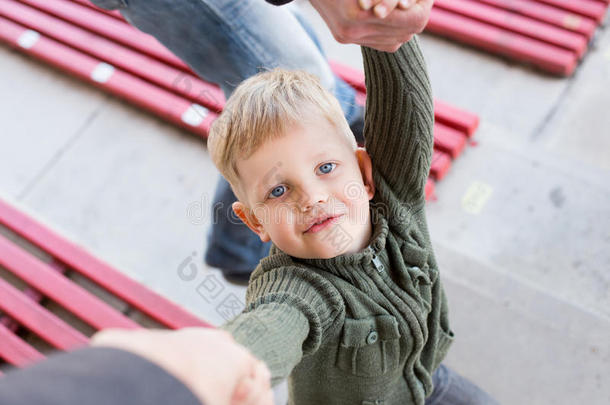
[307,175]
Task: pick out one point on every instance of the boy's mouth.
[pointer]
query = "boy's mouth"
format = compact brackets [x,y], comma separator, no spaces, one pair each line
[320,223]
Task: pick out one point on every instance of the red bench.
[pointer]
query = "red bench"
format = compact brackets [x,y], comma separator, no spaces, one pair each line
[38,262]
[552,35]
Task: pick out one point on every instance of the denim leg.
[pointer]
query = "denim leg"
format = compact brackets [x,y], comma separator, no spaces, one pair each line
[225,42]
[450,388]
[231,244]
[342,91]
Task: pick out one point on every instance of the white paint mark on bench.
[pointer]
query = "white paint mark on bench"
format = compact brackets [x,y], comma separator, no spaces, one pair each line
[28,39]
[194,115]
[102,72]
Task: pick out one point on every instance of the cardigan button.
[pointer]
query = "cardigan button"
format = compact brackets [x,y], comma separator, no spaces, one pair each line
[372,338]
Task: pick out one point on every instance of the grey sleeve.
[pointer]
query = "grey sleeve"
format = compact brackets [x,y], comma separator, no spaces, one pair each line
[274,333]
[94,376]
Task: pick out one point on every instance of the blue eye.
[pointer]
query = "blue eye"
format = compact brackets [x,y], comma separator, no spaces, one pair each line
[327,167]
[277,192]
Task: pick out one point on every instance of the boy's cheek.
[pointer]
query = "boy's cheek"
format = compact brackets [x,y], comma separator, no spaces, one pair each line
[362,213]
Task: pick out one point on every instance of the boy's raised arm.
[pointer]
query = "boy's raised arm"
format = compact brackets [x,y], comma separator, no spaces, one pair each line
[399,119]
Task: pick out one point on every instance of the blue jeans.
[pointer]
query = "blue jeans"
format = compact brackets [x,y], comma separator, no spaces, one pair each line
[225,42]
[451,388]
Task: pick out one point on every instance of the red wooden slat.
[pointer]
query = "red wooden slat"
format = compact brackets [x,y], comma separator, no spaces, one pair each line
[33,295]
[161,102]
[108,27]
[149,68]
[449,140]
[456,118]
[441,162]
[548,57]
[548,14]
[15,351]
[145,300]
[459,119]
[113,13]
[38,320]
[514,22]
[351,76]
[9,322]
[60,289]
[587,8]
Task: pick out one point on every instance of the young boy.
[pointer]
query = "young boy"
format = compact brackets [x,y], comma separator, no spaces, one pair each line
[349,304]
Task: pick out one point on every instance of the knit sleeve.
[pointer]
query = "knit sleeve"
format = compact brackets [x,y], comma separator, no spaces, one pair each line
[286,317]
[274,333]
[399,119]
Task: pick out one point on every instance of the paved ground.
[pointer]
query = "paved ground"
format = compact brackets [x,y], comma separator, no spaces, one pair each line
[521,224]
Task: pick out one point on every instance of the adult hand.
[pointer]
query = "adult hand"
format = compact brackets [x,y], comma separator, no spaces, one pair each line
[216,369]
[385,25]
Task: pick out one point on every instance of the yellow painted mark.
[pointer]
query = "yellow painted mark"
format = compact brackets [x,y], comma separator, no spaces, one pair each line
[476,197]
[572,21]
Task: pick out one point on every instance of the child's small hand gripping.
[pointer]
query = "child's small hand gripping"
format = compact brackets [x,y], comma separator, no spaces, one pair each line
[255,388]
[383,8]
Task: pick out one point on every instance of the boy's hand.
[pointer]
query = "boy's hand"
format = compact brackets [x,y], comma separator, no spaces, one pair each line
[254,389]
[216,369]
[349,23]
[383,8]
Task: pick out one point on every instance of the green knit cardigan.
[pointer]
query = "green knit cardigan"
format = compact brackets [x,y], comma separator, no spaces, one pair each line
[369,327]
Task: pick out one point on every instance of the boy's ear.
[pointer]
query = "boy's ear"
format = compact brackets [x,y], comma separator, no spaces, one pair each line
[366,169]
[248,218]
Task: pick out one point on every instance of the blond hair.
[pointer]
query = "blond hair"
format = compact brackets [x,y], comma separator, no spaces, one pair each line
[263,108]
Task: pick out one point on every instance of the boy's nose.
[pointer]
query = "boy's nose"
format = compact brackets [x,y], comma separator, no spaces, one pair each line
[307,199]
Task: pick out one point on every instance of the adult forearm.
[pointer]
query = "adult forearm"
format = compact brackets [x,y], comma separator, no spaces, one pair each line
[94,376]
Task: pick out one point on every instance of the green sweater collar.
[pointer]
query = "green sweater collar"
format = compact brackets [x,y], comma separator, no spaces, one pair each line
[343,265]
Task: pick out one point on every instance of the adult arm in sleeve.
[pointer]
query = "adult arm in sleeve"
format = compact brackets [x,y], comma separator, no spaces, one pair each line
[94,376]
